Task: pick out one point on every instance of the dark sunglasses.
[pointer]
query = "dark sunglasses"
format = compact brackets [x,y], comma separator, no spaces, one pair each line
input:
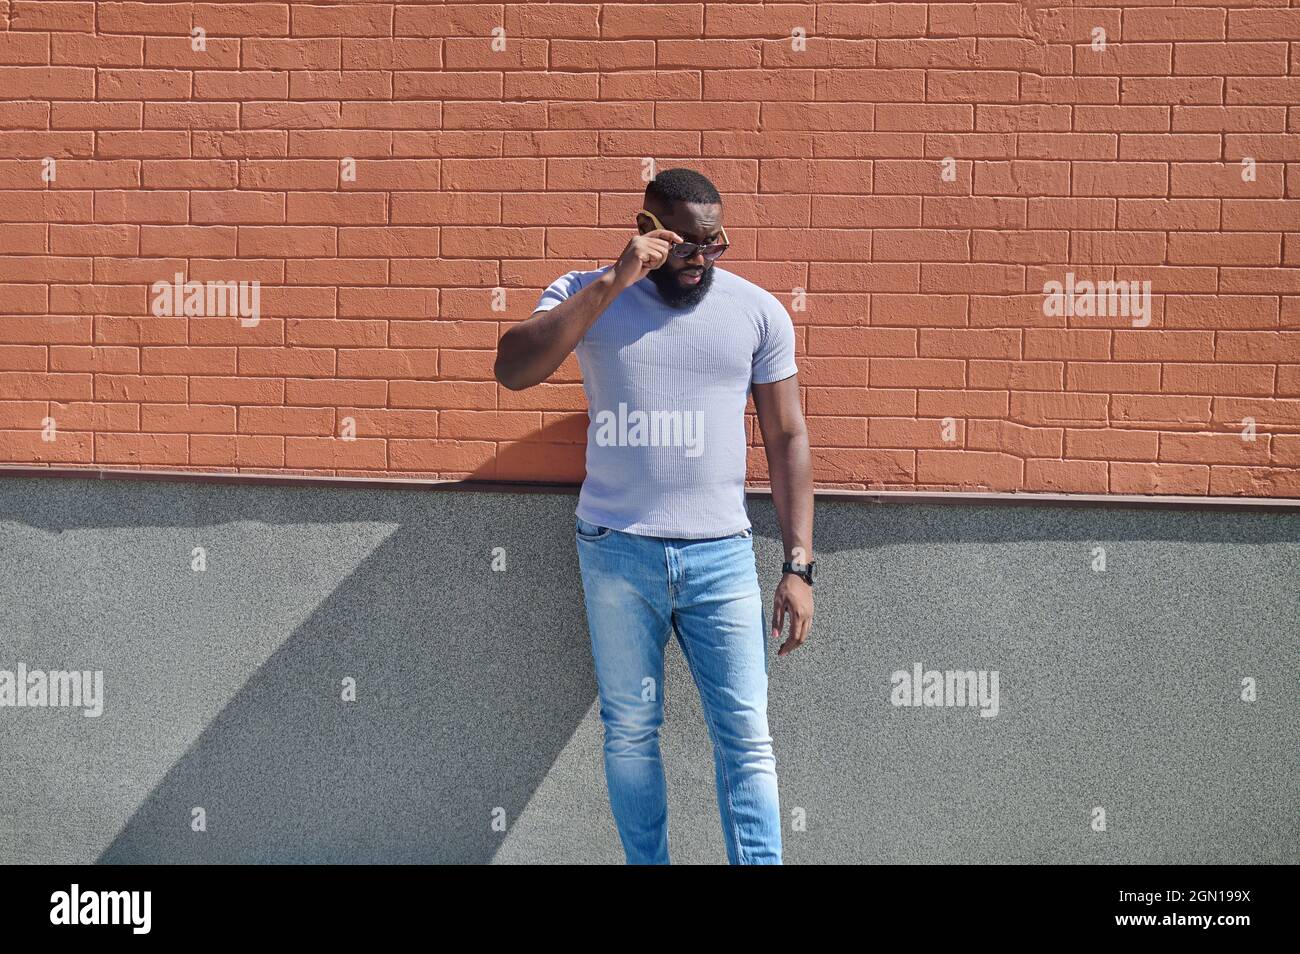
[688,249]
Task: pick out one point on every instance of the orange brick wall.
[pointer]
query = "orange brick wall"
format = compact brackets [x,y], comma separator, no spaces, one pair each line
[906,177]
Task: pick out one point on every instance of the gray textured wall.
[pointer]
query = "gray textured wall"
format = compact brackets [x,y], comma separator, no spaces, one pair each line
[1118,689]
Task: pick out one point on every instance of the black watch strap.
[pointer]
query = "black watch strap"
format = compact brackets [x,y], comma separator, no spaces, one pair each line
[804,570]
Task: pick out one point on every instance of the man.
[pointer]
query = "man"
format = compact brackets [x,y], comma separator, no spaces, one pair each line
[669,346]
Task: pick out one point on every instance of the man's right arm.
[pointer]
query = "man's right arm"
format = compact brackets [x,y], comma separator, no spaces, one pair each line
[530,352]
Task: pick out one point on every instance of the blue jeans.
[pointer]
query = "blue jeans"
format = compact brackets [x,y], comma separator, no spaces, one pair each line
[637,590]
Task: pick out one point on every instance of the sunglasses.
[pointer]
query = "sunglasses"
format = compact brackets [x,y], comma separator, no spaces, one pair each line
[688,249]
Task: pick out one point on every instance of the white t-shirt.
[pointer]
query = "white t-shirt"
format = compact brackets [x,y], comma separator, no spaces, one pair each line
[666,390]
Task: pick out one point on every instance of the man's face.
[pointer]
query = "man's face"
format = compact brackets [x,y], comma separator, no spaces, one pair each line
[684,281]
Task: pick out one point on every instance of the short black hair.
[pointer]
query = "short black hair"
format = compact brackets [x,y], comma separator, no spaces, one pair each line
[682,185]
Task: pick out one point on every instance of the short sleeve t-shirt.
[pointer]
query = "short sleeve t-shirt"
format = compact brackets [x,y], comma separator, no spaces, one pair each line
[666,389]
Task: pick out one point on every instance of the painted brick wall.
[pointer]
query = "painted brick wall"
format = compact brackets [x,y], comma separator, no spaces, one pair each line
[402,180]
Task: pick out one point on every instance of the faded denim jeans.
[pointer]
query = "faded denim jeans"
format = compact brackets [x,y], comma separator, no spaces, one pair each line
[638,590]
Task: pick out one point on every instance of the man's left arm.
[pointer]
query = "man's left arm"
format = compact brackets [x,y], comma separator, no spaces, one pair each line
[789,465]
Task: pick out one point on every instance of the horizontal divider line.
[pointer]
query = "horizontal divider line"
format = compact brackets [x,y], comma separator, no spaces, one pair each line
[1018,498]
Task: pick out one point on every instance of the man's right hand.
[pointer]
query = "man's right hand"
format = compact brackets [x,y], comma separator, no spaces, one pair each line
[643,255]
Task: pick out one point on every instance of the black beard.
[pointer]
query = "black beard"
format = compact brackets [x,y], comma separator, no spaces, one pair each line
[677,294]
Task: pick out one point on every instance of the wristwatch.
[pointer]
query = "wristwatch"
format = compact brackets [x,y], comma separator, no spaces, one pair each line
[804,570]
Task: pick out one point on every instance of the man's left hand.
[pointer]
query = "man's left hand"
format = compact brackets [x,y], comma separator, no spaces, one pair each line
[794,598]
